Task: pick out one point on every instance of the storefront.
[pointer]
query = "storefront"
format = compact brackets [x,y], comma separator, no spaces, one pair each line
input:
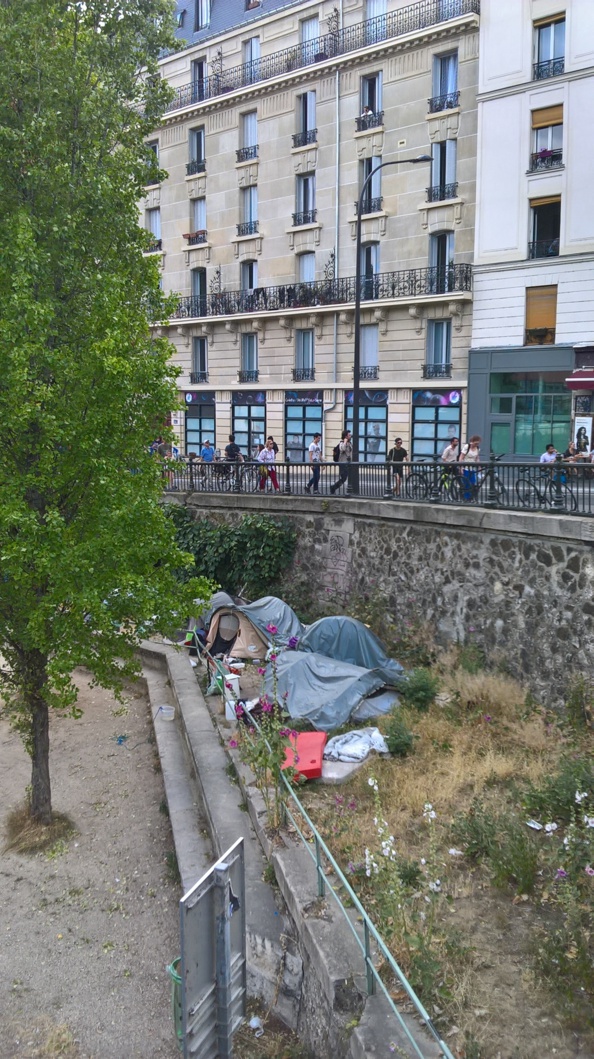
[436,419]
[249,420]
[200,420]
[303,418]
[373,423]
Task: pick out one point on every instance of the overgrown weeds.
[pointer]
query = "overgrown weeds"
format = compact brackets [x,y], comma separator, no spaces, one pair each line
[25,835]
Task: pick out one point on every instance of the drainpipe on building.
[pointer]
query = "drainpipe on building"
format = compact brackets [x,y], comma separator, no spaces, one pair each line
[331,407]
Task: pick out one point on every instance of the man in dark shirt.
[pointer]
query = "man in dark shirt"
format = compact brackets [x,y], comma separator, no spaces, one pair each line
[233,451]
[396,457]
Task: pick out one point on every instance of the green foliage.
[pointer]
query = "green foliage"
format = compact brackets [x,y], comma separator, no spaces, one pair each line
[580,703]
[398,736]
[246,559]
[471,658]
[86,554]
[475,831]
[514,858]
[554,799]
[420,689]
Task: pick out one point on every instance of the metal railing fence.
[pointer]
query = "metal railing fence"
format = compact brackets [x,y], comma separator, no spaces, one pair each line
[556,488]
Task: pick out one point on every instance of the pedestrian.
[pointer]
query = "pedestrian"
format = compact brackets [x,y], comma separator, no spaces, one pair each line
[207,452]
[451,453]
[345,455]
[549,455]
[266,460]
[470,456]
[315,458]
[274,445]
[233,451]
[396,457]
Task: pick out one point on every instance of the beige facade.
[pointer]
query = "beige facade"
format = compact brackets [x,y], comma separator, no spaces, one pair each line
[265,263]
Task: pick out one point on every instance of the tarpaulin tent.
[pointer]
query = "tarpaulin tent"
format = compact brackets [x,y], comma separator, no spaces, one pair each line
[272,611]
[319,689]
[231,632]
[348,640]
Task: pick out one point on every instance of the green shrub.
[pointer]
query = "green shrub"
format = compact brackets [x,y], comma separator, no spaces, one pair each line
[410,873]
[420,689]
[476,831]
[471,658]
[554,799]
[514,858]
[399,738]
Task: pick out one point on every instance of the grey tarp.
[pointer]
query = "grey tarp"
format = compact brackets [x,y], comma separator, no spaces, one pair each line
[318,689]
[272,611]
[348,640]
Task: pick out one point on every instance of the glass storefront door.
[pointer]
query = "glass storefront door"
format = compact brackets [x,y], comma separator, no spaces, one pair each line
[303,417]
[249,421]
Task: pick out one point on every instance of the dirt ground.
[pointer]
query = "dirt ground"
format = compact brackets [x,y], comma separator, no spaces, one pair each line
[88,928]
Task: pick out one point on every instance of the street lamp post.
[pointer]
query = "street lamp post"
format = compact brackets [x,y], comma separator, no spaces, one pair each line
[354,477]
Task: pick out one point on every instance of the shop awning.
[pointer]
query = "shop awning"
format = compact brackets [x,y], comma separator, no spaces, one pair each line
[581,379]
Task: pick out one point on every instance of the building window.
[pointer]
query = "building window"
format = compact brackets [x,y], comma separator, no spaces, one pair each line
[198,291]
[304,356]
[441,262]
[545,227]
[198,216]
[249,137]
[373,423]
[445,83]
[202,16]
[153,225]
[538,410]
[251,60]
[437,418]
[197,162]
[439,350]
[198,71]
[249,356]
[370,266]
[303,419]
[541,315]
[547,138]
[306,267]
[199,361]
[305,200]
[249,211]
[249,275]
[200,421]
[443,172]
[306,120]
[372,200]
[549,48]
[371,95]
[369,352]
[152,176]
[309,36]
[249,421]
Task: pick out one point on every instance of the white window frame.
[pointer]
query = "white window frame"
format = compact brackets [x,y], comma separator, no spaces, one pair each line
[248,272]
[304,349]
[153,222]
[249,351]
[202,19]
[249,204]
[369,356]
[439,343]
[305,193]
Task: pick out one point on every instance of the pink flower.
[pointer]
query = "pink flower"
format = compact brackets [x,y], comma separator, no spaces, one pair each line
[588,870]
[266,706]
[487,717]
[293,734]
[261,671]
[233,743]
[239,710]
[273,658]
[272,629]
[229,686]
[561,873]
[352,804]
[284,732]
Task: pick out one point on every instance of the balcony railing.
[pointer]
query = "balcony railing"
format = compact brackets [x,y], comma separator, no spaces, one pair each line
[543,248]
[304,374]
[539,336]
[445,102]
[369,121]
[245,154]
[247,228]
[437,371]
[301,139]
[369,373]
[411,19]
[250,375]
[154,247]
[549,68]
[408,283]
[546,160]
[198,165]
[369,205]
[195,238]
[196,377]
[305,217]
[440,192]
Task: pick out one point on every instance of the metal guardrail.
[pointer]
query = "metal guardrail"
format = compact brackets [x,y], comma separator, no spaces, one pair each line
[556,488]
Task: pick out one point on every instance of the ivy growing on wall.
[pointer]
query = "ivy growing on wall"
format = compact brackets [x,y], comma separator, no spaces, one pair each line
[246,559]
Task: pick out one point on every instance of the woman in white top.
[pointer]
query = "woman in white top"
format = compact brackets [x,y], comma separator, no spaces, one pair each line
[266,459]
[470,454]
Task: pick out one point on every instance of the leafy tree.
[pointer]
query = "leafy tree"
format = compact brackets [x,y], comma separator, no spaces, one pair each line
[87,556]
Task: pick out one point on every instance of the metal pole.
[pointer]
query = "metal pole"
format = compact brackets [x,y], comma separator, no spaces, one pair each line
[287,474]
[354,470]
[491,500]
[559,498]
[223,961]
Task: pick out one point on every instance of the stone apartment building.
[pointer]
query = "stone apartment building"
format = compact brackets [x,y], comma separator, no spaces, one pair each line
[281,110]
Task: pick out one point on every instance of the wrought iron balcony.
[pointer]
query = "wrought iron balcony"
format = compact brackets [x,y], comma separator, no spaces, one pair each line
[247,228]
[445,102]
[245,154]
[301,139]
[198,165]
[248,376]
[369,205]
[437,371]
[369,373]
[412,19]
[304,374]
[549,68]
[154,247]
[196,377]
[369,121]
[543,248]
[305,217]
[195,238]
[441,192]
[407,283]
[539,336]
[546,160]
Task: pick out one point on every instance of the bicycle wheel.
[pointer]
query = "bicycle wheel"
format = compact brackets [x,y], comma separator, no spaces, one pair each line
[417,486]
[568,496]
[527,493]
[450,489]
[250,479]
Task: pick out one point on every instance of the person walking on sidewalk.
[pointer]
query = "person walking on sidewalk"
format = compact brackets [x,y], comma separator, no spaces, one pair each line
[266,461]
[470,456]
[345,455]
[396,457]
[315,458]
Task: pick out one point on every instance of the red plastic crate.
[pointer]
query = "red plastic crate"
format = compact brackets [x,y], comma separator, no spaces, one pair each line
[309,749]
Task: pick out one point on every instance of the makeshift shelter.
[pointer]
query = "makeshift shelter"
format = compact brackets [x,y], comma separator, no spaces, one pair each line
[348,640]
[270,611]
[319,689]
[231,632]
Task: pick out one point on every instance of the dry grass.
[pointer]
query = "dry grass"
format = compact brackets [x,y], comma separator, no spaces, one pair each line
[25,835]
[41,1039]
[277,1041]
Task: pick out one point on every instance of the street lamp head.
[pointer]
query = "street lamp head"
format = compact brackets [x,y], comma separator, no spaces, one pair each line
[421,158]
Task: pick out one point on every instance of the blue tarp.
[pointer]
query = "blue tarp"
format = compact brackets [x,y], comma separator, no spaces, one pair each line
[272,611]
[319,689]
[348,640]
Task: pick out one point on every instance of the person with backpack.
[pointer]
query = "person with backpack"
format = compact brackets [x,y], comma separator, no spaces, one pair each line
[342,454]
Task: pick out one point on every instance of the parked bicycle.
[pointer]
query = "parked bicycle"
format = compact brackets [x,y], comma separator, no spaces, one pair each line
[426,476]
[541,490]
[227,476]
[487,480]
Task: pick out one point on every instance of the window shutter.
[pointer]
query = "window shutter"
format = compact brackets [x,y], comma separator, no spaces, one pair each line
[541,307]
[547,116]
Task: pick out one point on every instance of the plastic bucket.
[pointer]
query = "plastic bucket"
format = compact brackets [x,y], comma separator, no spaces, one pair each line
[233,680]
[167,712]
[176,1001]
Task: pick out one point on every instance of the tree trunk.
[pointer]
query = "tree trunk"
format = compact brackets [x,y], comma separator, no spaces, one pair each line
[41,796]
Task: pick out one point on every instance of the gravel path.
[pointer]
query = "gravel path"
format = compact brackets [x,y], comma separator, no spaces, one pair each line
[88,929]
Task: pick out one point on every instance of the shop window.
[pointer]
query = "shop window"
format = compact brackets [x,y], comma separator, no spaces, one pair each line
[373,424]
[200,421]
[303,419]
[249,421]
[437,418]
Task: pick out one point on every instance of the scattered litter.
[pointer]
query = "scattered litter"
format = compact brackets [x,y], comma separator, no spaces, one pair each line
[120,739]
[256,1025]
[454,1030]
[456,852]
[355,746]
[193,663]
[534,824]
